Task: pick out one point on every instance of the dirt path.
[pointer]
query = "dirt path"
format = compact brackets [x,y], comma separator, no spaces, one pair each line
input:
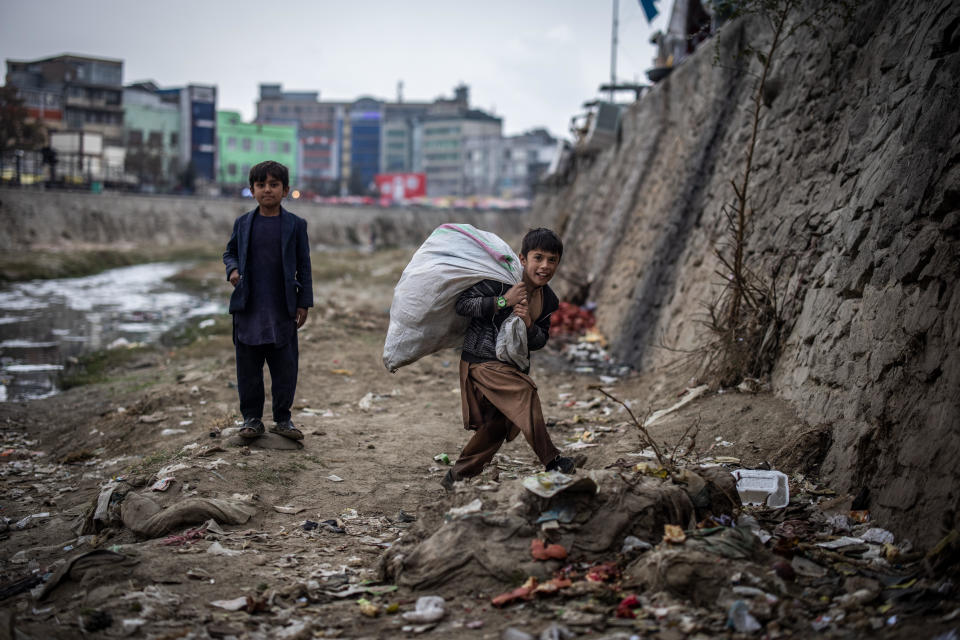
[365,477]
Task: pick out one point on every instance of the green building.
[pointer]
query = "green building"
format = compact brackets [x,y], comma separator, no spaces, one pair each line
[240,145]
[152,137]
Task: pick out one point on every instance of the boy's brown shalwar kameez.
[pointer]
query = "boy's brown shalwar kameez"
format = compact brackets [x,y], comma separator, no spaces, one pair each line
[498,403]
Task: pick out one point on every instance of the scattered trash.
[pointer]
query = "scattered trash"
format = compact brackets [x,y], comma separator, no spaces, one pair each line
[77,566]
[290,510]
[24,522]
[740,619]
[571,319]
[472,507]
[628,607]
[549,483]
[217,549]
[172,432]
[540,551]
[333,526]
[147,519]
[162,484]
[763,487]
[231,605]
[366,402]
[368,609]
[689,396]
[877,535]
[442,458]
[523,592]
[130,625]
[309,525]
[633,543]
[673,534]
[840,543]
[334,478]
[428,609]
[152,418]
[197,573]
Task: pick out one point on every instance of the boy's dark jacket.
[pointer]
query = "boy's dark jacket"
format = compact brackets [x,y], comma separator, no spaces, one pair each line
[294,256]
[479,303]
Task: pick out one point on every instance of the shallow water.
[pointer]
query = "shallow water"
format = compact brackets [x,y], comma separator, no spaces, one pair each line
[45,322]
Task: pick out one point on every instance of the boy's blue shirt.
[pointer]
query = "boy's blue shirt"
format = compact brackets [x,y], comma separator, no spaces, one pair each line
[294,256]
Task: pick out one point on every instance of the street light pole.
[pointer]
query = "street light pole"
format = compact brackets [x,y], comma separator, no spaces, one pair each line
[613,48]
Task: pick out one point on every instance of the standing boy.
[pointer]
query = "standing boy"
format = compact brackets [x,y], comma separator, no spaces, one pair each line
[499,400]
[268,264]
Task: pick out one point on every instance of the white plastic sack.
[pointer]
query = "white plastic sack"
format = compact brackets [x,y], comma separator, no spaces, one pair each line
[423,315]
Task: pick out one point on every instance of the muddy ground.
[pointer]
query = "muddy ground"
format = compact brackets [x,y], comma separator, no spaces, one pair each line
[367,466]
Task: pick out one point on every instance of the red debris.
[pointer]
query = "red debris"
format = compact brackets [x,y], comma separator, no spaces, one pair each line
[627,606]
[603,572]
[186,537]
[524,592]
[571,319]
[539,551]
[552,586]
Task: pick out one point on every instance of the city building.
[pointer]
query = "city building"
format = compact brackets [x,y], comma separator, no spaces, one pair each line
[366,117]
[319,132]
[526,158]
[197,105]
[400,143]
[152,127]
[445,140]
[73,92]
[344,145]
[240,145]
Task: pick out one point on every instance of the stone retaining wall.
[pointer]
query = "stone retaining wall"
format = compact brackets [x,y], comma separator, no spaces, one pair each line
[856,200]
[44,219]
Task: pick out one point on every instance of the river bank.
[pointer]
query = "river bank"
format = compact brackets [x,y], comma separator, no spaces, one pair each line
[310,559]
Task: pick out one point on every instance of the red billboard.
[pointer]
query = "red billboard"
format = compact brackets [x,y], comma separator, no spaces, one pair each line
[401,186]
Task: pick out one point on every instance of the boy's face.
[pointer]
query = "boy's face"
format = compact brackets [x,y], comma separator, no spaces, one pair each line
[269,192]
[539,266]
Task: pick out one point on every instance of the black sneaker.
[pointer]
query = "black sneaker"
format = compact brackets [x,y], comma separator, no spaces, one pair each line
[562,464]
[252,428]
[448,480]
[287,430]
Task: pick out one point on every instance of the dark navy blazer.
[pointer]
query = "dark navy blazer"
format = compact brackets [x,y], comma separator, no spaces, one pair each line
[294,255]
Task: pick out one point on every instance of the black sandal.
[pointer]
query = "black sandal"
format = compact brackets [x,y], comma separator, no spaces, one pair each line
[287,430]
[252,428]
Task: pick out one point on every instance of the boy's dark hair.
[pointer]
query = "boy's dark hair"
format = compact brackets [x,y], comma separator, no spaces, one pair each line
[543,239]
[259,173]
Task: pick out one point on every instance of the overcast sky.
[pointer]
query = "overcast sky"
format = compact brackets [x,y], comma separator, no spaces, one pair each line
[532,62]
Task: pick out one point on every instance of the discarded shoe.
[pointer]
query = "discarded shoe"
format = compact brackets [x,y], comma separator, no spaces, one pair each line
[252,428]
[562,464]
[287,430]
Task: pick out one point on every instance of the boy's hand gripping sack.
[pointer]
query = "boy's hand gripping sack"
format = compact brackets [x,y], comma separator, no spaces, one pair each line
[423,315]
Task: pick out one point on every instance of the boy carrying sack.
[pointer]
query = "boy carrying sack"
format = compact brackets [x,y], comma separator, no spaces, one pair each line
[498,320]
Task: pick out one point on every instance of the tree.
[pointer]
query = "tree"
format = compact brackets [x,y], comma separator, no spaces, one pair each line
[746,319]
[17,132]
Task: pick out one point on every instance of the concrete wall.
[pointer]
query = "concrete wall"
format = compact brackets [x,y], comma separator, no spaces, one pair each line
[36,219]
[856,212]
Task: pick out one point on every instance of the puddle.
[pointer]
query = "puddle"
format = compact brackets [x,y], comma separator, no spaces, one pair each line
[45,322]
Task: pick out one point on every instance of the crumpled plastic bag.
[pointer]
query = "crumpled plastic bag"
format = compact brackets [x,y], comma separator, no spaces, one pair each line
[423,316]
[429,609]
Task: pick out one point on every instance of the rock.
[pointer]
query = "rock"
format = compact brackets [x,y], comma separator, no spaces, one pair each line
[266,441]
